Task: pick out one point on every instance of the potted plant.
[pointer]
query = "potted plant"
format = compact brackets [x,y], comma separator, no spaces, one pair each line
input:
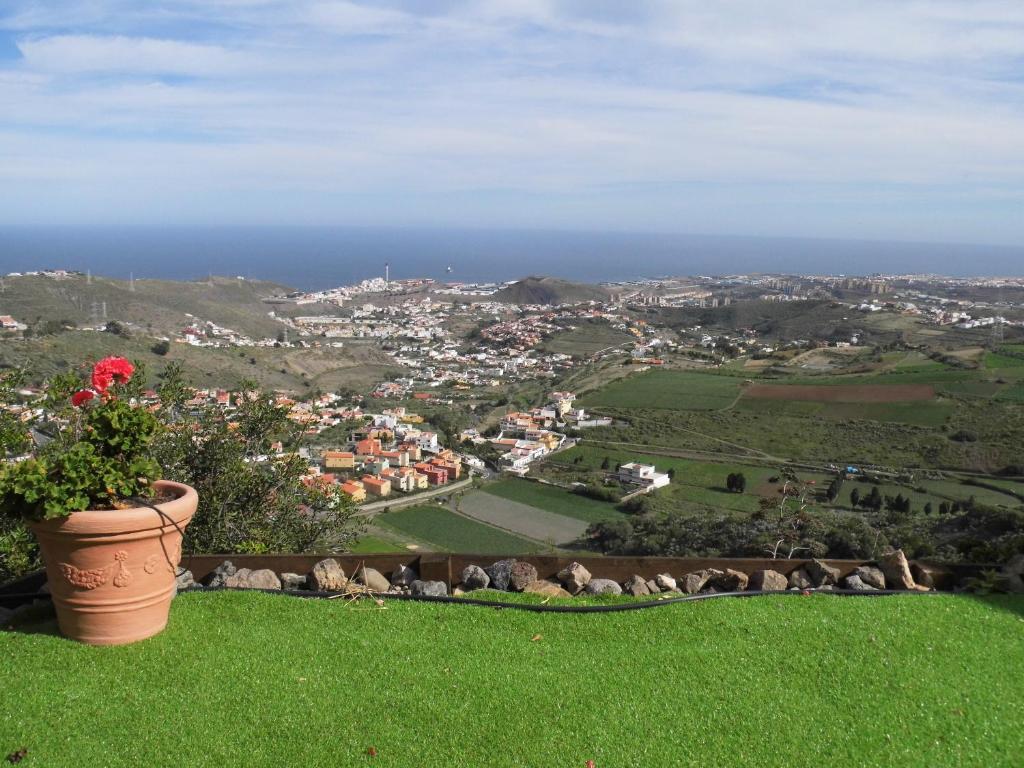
[109,529]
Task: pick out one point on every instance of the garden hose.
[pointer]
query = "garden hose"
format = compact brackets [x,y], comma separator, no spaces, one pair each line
[27,597]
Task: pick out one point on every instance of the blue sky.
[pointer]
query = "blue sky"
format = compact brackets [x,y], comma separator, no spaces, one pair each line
[833,118]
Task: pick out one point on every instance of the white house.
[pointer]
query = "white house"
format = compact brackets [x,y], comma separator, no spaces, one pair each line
[642,475]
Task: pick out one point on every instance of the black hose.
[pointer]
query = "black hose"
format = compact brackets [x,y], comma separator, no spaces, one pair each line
[534,607]
[560,608]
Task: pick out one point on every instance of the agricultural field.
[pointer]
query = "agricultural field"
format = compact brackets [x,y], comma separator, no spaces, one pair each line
[842,393]
[530,522]
[587,339]
[668,389]
[697,482]
[450,532]
[916,412]
[554,499]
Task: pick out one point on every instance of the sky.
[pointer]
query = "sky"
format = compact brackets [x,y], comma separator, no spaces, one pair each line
[895,120]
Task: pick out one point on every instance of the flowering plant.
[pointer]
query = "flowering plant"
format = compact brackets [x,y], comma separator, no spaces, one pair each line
[97,455]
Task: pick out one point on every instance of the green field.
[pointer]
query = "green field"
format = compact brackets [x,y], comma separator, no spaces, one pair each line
[918,682]
[994,360]
[450,532]
[587,339]
[703,482]
[553,499]
[925,414]
[668,389]
[694,482]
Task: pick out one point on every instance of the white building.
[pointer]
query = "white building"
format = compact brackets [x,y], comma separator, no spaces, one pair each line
[643,475]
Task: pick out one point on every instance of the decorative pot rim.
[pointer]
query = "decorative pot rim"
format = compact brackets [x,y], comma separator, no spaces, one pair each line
[170,514]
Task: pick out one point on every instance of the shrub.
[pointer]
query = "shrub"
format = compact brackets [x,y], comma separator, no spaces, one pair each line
[99,452]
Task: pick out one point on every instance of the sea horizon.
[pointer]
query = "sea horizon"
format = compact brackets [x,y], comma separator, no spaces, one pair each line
[320,257]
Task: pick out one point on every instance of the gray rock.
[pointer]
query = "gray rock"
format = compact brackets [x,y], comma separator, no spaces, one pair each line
[521,575]
[767,580]
[853,581]
[429,588]
[327,576]
[372,579]
[1011,583]
[474,577]
[729,581]
[693,583]
[218,575]
[799,579]
[652,587]
[827,588]
[665,582]
[262,578]
[896,569]
[5,616]
[547,588]
[822,574]
[602,587]
[184,580]
[293,581]
[871,576]
[574,578]
[1015,566]
[922,575]
[499,573]
[403,576]
[636,586]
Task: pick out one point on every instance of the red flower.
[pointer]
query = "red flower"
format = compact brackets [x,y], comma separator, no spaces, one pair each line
[81,397]
[110,370]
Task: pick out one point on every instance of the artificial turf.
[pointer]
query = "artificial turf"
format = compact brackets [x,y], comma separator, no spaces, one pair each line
[264,680]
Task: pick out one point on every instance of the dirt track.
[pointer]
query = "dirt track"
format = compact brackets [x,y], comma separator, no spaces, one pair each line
[842,393]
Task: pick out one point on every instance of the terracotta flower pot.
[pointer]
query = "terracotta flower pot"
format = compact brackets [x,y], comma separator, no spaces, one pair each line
[111,573]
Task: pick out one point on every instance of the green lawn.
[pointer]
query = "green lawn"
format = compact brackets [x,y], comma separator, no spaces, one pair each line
[265,680]
[552,499]
[673,390]
[453,533]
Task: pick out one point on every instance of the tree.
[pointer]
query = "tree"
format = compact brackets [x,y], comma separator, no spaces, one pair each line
[605,463]
[928,508]
[736,482]
[249,500]
[161,348]
[855,498]
[19,552]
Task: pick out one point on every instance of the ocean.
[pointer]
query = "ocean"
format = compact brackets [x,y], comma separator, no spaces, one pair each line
[312,258]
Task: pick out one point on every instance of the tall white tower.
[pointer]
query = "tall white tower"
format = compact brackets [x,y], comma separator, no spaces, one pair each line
[387,274]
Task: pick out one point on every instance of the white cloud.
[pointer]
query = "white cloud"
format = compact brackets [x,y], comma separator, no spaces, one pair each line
[85,54]
[545,99]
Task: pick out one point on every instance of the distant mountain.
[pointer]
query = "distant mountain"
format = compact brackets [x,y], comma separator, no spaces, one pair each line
[156,306]
[550,290]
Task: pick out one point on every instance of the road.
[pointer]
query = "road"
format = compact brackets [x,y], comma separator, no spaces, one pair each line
[397,502]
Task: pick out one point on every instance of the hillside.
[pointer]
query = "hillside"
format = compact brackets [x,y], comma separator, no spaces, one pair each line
[549,290]
[157,306]
[356,366]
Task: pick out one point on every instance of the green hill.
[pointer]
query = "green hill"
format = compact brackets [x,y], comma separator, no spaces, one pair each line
[157,306]
[357,367]
[549,290]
